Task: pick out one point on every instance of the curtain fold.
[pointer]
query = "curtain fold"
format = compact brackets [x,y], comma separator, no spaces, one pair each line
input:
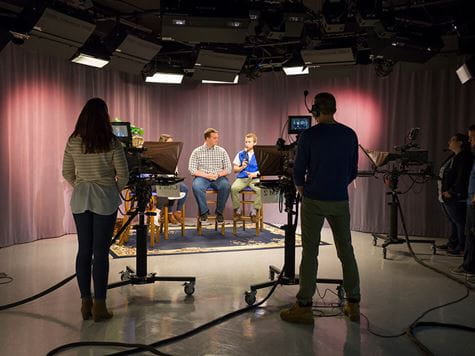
[42,97]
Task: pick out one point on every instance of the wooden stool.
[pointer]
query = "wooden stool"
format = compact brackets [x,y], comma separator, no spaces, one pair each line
[259,217]
[124,237]
[164,223]
[210,192]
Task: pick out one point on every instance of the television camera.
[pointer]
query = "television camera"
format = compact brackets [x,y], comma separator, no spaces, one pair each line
[407,160]
[153,164]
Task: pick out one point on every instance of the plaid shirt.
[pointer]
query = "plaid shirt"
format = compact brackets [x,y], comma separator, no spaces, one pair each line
[209,160]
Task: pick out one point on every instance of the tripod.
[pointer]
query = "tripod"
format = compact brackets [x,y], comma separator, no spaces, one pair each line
[129,276]
[289,277]
[392,238]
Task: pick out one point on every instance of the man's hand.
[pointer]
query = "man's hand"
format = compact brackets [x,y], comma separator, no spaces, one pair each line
[252,175]
[244,165]
[212,176]
[300,190]
[446,195]
[221,173]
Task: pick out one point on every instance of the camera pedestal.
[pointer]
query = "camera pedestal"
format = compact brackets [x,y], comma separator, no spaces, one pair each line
[130,276]
[392,238]
[289,277]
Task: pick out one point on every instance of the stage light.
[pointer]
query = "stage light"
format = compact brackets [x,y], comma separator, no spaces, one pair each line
[295,70]
[168,78]
[466,71]
[235,81]
[82,58]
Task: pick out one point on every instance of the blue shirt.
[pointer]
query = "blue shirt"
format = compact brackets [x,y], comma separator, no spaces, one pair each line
[471,185]
[326,161]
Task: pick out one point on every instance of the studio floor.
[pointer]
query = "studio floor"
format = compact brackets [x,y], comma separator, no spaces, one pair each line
[395,292]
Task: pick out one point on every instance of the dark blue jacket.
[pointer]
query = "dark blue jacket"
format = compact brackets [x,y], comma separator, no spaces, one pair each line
[251,164]
[326,161]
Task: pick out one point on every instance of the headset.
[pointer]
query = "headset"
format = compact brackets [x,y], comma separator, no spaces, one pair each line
[315,109]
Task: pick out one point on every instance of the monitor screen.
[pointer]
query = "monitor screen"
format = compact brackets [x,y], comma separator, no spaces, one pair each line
[299,123]
[122,131]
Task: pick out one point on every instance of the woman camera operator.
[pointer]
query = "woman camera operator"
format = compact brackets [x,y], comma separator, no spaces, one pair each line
[95,165]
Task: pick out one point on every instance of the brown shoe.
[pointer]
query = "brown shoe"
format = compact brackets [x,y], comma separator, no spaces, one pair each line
[178,216]
[86,308]
[352,311]
[99,310]
[297,314]
[171,219]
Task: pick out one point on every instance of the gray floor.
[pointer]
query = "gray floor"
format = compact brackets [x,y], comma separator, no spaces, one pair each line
[395,291]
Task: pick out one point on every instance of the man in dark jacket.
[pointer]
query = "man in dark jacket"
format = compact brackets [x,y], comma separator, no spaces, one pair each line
[326,162]
[467,268]
[454,174]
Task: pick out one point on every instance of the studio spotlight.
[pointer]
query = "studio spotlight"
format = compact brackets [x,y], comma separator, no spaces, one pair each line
[89,60]
[167,78]
[466,71]
[235,81]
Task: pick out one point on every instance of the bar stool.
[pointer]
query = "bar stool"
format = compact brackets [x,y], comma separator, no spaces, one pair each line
[209,193]
[259,217]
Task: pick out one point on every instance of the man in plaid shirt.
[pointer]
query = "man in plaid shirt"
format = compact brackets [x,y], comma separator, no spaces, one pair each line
[210,164]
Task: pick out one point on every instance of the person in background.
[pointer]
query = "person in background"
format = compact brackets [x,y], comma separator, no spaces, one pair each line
[245,165]
[210,165]
[452,188]
[94,164]
[174,217]
[467,267]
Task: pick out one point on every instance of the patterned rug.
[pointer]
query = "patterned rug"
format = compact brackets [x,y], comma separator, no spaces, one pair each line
[211,241]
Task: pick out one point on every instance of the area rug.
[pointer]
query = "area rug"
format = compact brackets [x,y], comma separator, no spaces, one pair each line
[210,241]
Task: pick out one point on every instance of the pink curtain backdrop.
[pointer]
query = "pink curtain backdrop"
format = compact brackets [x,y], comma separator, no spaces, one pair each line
[41,98]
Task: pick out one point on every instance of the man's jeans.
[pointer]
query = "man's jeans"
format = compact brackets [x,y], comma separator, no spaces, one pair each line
[200,185]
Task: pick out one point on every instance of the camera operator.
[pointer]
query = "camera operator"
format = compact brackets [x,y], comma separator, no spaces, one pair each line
[95,165]
[326,162]
[454,174]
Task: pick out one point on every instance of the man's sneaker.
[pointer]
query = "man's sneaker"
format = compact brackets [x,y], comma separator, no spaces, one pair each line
[219,217]
[443,247]
[352,311]
[237,214]
[297,314]
[462,272]
[455,253]
[204,217]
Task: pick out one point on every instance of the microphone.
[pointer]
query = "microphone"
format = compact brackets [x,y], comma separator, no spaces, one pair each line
[446,150]
[413,133]
[305,93]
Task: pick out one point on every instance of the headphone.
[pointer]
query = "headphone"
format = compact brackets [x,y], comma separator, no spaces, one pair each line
[315,110]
